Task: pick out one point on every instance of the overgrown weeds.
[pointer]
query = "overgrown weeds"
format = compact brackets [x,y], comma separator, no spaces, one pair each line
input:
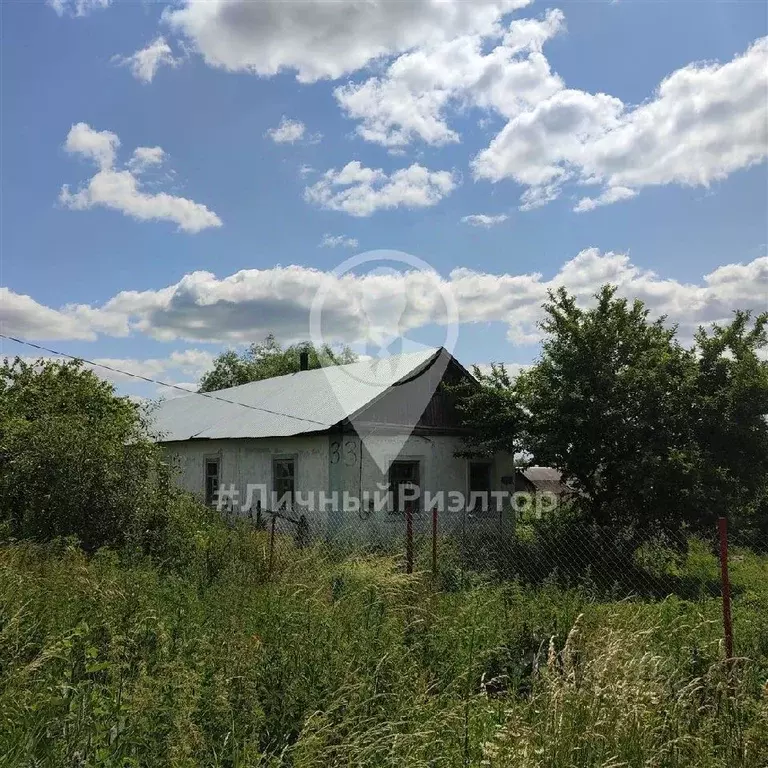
[116,661]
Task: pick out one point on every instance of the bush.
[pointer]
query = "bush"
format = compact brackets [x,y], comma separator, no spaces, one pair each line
[76,460]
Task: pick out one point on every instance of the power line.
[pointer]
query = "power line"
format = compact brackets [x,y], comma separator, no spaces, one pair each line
[156,381]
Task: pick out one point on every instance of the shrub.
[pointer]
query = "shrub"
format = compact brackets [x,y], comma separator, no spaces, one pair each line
[76,460]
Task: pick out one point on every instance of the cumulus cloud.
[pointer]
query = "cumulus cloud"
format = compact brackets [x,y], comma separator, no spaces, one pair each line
[411,100]
[291,131]
[247,305]
[121,189]
[119,370]
[145,62]
[318,39]
[338,241]
[360,191]
[704,122]
[144,158]
[77,7]
[484,220]
[21,315]
[610,195]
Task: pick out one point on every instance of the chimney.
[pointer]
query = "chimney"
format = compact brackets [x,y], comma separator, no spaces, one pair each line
[303,360]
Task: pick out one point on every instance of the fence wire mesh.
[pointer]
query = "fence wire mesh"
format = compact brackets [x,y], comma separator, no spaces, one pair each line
[460,547]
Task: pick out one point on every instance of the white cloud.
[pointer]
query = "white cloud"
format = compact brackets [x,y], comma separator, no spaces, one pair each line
[537,148]
[318,39]
[204,308]
[146,157]
[336,241]
[704,122]
[249,304]
[188,362]
[21,315]
[99,146]
[361,191]
[483,219]
[610,195]
[290,131]
[120,189]
[145,62]
[411,100]
[77,7]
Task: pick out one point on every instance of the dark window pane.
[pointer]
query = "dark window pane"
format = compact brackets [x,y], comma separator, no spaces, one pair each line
[211,482]
[479,482]
[402,475]
[283,476]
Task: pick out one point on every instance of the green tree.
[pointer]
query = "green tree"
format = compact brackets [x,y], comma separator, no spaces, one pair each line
[610,403]
[649,433]
[731,425]
[268,359]
[75,459]
[491,412]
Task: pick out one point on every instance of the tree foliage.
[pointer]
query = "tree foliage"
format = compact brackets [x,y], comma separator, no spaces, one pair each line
[731,425]
[495,406]
[75,460]
[267,359]
[643,428]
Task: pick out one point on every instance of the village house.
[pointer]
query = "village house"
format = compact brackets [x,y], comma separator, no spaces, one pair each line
[333,433]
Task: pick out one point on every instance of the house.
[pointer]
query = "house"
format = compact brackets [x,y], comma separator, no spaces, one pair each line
[325,447]
[532,480]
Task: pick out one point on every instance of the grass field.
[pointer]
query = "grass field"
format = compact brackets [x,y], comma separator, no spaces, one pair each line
[352,663]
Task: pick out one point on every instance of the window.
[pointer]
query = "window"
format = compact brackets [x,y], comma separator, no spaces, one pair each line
[212,469]
[403,474]
[284,478]
[479,482]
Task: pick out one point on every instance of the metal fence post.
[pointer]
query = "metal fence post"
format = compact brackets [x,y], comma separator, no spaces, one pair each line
[434,543]
[722,525]
[409,536]
[272,544]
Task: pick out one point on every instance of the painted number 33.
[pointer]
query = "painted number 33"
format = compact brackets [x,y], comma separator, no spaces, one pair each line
[349,451]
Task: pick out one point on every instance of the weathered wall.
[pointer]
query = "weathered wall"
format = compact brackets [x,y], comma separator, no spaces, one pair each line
[338,462]
[439,469]
[245,462]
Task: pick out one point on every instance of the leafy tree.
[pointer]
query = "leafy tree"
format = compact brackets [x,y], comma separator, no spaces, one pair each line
[75,459]
[491,411]
[610,403]
[731,426]
[648,432]
[268,359]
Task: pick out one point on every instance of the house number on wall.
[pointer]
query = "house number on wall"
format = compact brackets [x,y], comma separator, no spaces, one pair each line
[350,452]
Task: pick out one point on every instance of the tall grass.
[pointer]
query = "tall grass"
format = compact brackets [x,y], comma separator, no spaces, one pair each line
[349,662]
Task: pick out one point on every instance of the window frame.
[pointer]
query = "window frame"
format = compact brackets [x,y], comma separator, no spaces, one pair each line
[395,492]
[210,499]
[294,459]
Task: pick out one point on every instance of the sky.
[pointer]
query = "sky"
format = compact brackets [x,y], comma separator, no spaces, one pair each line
[181,178]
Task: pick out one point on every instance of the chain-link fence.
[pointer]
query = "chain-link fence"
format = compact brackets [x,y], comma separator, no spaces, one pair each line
[457,546]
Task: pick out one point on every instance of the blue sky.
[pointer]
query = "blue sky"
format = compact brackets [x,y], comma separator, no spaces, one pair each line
[506,110]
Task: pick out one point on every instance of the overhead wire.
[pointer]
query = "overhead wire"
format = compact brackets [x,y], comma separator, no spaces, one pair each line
[150,380]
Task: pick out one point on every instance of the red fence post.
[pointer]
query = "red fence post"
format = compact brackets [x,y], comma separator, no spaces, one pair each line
[722,525]
[434,543]
[409,537]
[272,544]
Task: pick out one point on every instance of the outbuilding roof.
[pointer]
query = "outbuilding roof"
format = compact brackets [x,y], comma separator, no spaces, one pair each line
[546,479]
[307,401]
